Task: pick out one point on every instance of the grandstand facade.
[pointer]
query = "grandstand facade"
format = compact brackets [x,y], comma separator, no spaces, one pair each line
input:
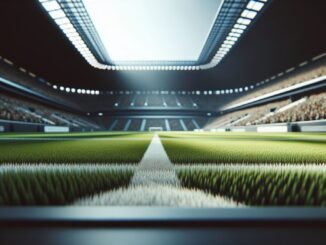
[166,95]
[292,100]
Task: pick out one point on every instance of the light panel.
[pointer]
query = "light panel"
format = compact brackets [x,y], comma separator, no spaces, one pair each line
[237,31]
[153,30]
[255,5]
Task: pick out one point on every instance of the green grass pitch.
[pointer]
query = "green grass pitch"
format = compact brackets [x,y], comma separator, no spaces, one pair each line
[245,147]
[73,148]
[251,168]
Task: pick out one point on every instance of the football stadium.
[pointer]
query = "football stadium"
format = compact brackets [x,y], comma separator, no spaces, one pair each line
[186,104]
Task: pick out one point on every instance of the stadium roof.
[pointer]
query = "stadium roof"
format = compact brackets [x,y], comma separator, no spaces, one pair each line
[285,34]
[153,34]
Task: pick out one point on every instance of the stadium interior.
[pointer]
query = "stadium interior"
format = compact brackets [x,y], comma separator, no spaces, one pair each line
[181,111]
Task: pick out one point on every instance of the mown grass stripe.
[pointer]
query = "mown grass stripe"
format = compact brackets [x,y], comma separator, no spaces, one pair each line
[260,186]
[244,151]
[57,187]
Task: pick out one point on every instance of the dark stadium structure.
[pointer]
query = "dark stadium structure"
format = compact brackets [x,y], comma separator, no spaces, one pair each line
[162,121]
[173,100]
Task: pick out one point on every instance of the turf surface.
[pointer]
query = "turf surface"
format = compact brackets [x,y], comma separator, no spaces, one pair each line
[245,148]
[53,186]
[260,185]
[44,184]
[73,148]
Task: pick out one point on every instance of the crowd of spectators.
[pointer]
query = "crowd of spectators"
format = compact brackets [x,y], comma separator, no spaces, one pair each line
[246,117]
[13,109]
[255,114]
[310,108]
[9,110]
[313,108]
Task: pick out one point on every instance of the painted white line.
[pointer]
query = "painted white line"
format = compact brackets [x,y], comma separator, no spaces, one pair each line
[70,139]
[158,195]
[155,183]
[155,167]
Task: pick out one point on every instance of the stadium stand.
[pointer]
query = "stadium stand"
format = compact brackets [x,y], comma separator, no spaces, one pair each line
[175,125]
[190,124]
[157,123]
[140,100]
[146,123]
[293,76]
[135,125]
[185,101]
[120,125]
[279,111]
[28,81]
[19,110]
[254,115]
[306,108]
[107,101]
[312,108]
[170,100]
[155,100]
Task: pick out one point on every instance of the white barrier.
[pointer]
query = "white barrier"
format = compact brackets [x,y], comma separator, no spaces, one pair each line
[274,129]
[56,129]
[2,128]
[238,130]
[313,128]
[155,129]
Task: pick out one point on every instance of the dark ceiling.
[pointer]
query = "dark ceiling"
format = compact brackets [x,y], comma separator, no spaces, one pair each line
[287,33]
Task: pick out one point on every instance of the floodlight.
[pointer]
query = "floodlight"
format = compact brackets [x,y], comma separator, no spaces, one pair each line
[238,26]
[254,5]
[244,21]
[57,14]
[51,5]
[248,14]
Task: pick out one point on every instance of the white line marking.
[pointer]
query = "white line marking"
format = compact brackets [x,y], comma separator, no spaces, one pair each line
[155,166]
[155,183]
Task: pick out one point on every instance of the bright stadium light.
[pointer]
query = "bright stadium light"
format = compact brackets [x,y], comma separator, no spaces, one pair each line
[238,26]
[229,42]
[231,38]
[255,5]
[56,14]
[166,24]
[248,14]
[63,22]
[231,34]
[51,5]
[235,30]
[180,35]
[244,21]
